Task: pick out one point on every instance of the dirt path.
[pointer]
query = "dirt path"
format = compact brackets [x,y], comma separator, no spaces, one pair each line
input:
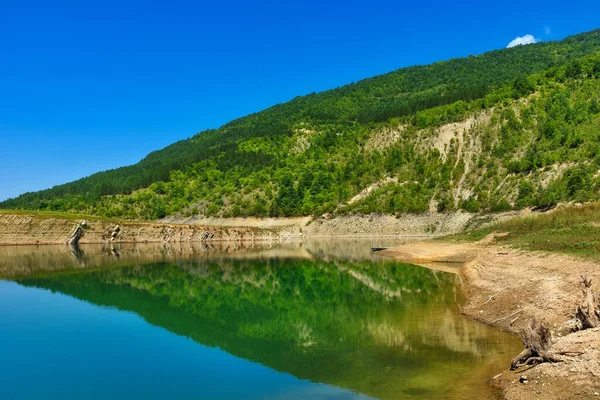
[506,288]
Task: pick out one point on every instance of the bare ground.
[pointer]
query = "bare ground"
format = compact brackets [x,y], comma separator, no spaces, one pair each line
[36,229]
[506,288]
[19,227]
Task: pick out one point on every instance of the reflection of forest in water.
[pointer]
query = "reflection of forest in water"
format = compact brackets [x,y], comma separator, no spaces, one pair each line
[378,327]
[30,259]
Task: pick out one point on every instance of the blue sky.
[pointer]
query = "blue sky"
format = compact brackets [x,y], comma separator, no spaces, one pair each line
[89,86]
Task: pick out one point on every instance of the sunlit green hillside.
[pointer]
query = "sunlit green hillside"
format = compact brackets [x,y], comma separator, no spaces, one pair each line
[507,129]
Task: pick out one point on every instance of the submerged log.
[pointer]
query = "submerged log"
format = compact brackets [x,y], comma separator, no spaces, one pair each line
[588,311]
[537,340]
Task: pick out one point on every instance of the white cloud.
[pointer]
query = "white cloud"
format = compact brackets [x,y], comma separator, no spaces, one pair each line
[547,30]
[527,39]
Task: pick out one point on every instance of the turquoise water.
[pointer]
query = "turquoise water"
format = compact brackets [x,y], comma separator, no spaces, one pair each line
[237,326]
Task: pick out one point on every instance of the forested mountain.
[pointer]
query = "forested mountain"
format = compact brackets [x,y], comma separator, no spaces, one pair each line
[506,129]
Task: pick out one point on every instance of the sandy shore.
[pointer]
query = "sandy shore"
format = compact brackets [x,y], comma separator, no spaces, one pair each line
[506,288]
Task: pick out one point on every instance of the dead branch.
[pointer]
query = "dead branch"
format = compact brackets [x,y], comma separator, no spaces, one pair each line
[506,316]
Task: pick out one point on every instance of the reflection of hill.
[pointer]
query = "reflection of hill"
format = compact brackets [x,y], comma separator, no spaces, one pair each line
[350,248]
[19,261]
[315,320]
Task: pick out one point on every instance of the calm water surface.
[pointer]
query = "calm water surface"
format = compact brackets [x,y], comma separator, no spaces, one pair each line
[322,320]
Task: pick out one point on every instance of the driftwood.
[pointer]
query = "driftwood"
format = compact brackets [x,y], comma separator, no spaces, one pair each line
[537,341]
[588,312]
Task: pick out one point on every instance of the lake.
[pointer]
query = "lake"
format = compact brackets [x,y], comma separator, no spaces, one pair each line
[308,320]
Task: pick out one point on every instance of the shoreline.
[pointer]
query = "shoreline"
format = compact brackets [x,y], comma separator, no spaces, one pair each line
[23,228]
[33,229]
[505,288]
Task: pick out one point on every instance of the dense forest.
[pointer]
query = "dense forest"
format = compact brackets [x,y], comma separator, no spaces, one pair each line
[524,119]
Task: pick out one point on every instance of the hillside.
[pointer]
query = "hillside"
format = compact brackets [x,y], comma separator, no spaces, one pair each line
[507,129]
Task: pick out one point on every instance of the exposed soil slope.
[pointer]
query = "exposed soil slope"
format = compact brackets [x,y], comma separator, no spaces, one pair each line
[36,229]
[41,228]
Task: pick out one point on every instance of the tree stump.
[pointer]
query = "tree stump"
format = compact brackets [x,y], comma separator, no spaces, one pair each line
[537,340]
[588,311]
[115,232]
[76,235]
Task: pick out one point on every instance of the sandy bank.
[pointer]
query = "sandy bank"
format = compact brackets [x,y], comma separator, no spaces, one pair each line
[426,224]
[506,288]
